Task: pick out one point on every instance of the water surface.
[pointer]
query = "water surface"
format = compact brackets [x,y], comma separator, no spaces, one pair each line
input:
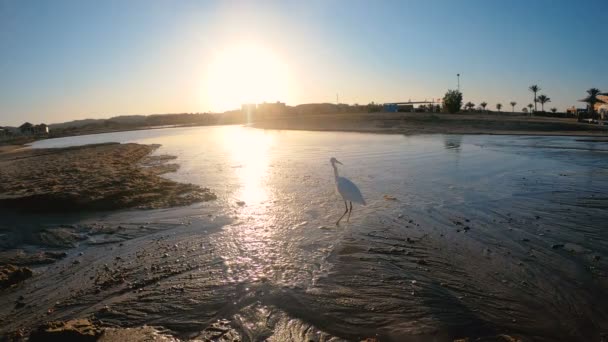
[462,235]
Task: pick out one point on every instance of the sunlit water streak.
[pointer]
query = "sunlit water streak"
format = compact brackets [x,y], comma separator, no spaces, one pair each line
[406,267]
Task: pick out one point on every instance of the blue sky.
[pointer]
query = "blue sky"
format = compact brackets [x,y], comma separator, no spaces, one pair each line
[64,60]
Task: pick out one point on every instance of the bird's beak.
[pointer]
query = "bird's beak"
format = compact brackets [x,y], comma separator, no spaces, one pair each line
[339,162]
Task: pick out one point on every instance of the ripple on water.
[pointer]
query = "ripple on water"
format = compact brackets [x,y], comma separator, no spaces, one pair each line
[465,249]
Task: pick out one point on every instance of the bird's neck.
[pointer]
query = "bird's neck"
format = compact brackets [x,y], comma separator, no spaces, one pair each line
[335,171]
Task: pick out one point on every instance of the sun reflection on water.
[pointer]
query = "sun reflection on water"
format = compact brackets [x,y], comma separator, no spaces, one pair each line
[250,159]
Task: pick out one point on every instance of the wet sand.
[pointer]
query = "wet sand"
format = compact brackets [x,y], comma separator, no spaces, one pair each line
[94,177]
[433,123]
[489,238]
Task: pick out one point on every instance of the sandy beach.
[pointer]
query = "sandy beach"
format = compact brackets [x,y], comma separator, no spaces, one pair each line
[434,123]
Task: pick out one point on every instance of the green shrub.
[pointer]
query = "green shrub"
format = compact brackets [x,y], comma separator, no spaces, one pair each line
[452,101]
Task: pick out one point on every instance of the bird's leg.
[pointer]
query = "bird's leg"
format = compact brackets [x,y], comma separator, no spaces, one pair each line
[350,211]
[338,223]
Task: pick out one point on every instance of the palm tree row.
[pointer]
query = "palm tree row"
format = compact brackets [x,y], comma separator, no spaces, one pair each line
[591,99]
[542,99]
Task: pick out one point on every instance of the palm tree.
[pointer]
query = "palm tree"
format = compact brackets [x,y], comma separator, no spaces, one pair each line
[543,99]
[535,89]
[499,106]
[483,105]
[592,100]
[513,104]
[553,110]
[530,107]
[469,105]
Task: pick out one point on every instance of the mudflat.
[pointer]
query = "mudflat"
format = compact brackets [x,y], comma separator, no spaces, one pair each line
[95,177]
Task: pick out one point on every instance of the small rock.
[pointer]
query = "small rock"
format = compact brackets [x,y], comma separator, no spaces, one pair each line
[596,258]
[74,330]
[240,203]
[557,245]
[11,275]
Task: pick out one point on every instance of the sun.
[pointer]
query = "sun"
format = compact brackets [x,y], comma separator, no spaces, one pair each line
[245,73]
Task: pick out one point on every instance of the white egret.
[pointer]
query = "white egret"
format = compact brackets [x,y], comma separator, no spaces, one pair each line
[347,189]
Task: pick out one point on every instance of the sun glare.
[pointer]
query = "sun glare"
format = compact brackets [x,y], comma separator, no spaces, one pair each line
[249,151]
[245,73]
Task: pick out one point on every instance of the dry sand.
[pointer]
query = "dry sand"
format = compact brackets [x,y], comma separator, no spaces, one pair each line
[431,123]
[94,177]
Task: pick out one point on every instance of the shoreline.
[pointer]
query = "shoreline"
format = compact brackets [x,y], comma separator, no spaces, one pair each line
[433,123]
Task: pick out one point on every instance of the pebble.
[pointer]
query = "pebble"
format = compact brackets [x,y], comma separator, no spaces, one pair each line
[557,245]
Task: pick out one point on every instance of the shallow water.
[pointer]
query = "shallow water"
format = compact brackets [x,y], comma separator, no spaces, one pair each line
[470,245]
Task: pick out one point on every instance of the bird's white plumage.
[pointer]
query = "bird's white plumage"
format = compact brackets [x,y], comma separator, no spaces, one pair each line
[349,191]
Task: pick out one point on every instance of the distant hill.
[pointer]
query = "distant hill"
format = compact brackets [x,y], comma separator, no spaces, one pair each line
[76,123]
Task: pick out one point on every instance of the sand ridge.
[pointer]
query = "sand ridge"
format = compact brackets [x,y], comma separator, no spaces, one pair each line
[93,177]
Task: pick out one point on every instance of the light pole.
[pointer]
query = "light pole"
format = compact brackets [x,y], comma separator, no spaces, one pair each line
[458,78]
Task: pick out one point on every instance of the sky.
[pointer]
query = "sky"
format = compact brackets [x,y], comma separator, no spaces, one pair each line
[64,60]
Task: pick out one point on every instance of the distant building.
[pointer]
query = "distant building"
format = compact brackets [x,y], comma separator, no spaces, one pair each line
[602,108]
[41,129]
[263,110]
[29,129]
[248,108]
[26,129]
[276,108]
[397,107]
